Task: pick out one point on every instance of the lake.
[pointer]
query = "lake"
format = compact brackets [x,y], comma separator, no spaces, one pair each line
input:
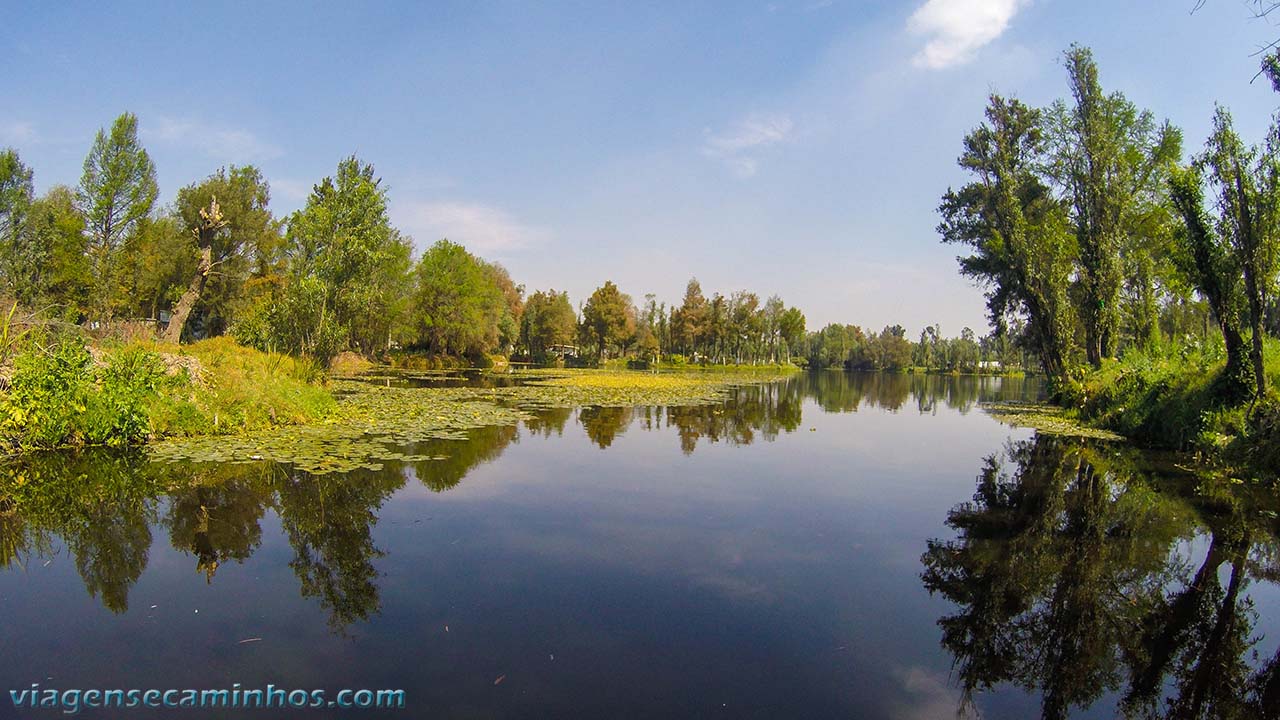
[828,546]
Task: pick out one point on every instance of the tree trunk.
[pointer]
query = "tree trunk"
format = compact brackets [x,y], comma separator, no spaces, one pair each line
[173,334]
[1255,312]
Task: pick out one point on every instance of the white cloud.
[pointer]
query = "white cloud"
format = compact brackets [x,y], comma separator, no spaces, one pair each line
[481,228]
[17,133]
[959,28]
[230,145]
[738,146]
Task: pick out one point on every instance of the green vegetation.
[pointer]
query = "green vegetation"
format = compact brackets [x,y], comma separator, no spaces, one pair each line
[372,423]
[62,393]
[1151,314]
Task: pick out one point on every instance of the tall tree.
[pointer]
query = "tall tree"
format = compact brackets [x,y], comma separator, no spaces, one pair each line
[1017,229]
[66,280]
[1110,157]
[212,223]
[1247,181]
[457,305]
[791,327]
[689,321]
[1214,272]
[608,318]
[117,190]
[20,257]
[548,320]
[248,235]
[346,264]
[513,306]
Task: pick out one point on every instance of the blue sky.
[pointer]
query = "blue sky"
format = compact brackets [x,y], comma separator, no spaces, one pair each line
[797,148]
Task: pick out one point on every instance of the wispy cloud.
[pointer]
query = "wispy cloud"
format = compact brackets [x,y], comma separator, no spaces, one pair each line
[481,228]
[231,145]
[17,133]
[738,147]
[956,29]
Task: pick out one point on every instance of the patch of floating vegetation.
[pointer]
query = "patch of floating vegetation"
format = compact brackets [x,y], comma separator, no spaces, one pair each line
[373,423]
[1047,419]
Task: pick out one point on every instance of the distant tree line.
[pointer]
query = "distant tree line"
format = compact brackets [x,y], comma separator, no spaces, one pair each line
[333,276]
[1093,239]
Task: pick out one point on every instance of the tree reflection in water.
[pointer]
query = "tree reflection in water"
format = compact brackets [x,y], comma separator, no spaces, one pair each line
[1071,577]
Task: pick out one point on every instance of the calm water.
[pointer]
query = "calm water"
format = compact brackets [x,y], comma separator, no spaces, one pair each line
[830,546]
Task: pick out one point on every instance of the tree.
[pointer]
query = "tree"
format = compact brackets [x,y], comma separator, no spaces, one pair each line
[20,258]
[1110,158]
[347,261]
[513,306]
[1247,181]
[791,327]
[688,322]
[608,318]
[457,305]
[156,262]
[66,278]
[547,320]
[212,223]
[1212,267]
[248,236]
[1023,252]
[117,190]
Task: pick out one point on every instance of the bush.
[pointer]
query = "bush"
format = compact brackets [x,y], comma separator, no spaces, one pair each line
[63,395]
[58,397]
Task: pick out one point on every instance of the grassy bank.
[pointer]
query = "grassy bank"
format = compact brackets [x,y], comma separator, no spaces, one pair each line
[60,392]
[1173,401]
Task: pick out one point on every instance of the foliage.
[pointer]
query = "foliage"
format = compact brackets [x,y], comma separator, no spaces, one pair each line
[62,395]
[1018,230]
[608,320]
[58,397]
[548,320]
[347,268]
[18,255]
[117,191]
[1111,159]
[243,249]
[458,306]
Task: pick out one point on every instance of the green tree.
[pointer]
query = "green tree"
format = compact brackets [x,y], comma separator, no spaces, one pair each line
[689,321]
[791,328]
[156,261]
[1247,181]
[347,266]
[457,304]
[512,309]
[608,318]
[248,236]
[117,190]
[1111,158]
[1022,251]
[1208,261]
[66,279]
[20,258]
[548,320]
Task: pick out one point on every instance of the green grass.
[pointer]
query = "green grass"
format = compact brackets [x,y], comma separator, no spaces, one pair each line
[1175,401]
[239,390]
[62,393]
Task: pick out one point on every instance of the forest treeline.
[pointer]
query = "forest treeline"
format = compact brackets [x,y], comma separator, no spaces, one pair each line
[1096,240]
[337,275]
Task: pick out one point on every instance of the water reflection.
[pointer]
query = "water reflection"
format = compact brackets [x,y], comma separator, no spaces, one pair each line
[103,507]
[1076,576]
[1077,573]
